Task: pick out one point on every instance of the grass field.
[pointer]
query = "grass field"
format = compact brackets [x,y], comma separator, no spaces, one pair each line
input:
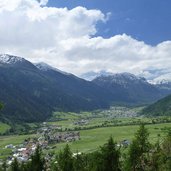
[92,139]
[100,126]
[4,127]
[116,116]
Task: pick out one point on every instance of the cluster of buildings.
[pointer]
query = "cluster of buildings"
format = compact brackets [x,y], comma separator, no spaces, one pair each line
[81,122]
[56,137]
[23,151]
[45,136]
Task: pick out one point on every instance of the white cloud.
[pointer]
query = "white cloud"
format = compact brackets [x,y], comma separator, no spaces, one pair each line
[43,2]
[66,39]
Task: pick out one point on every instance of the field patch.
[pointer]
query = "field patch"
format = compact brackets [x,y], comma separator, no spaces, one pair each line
[4,127]
[92,139]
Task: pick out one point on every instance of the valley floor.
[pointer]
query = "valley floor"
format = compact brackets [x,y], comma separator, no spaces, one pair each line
[94,129]
[90,139]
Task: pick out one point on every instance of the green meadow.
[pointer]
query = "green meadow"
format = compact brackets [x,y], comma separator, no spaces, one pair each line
[103,124]
[93,138]
[4,127]
[99,127]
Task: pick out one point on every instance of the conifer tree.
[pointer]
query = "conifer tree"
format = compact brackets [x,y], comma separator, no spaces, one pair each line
[37,162]
[15,165]
[156,158]
[94,161]
[138,151]
[166,147]
[4,166]
[65,159]
[110,156]
[79,162]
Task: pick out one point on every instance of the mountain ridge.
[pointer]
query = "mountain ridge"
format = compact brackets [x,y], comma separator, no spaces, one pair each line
[31,92]
[153,76]
[132,88]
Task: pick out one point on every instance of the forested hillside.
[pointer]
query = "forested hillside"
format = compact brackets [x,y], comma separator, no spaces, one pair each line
[160,108]
[30,94]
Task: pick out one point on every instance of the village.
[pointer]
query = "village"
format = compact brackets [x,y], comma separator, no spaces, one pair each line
[46,136]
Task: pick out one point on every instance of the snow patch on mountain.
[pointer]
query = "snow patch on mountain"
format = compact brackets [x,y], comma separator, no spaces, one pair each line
[122,79]
[163,79]
[156,76]
[10,59]
[92,75]
[122,76]
[45,67]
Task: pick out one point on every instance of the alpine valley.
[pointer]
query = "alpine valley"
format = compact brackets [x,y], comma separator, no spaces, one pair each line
[31,92]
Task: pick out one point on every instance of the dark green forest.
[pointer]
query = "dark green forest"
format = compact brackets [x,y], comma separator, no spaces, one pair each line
[160,108]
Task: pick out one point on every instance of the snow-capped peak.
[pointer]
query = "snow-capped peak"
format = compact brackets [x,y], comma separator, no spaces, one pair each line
[45,67]
[92,74]
[10,59]
[124,75]
[121,78]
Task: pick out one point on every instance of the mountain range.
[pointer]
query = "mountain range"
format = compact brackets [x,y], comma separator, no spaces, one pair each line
[130,89]
[31,92]
[154,76]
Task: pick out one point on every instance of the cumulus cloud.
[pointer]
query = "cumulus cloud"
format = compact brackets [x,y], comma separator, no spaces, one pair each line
[66,39]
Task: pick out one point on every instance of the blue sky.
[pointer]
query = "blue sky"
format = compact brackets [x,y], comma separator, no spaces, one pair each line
[146,20]
[80,36]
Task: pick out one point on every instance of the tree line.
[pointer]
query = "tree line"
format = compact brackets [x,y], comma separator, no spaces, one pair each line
[141,155]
